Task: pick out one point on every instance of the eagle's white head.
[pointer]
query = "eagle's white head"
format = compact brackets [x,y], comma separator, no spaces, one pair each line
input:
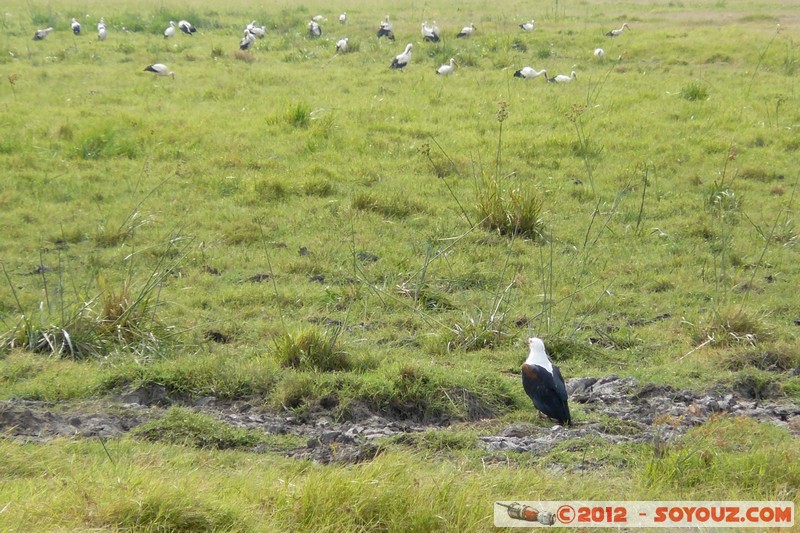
[538,355]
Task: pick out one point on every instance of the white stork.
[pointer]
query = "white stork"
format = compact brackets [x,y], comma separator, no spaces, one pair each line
[529,73]
[428,33]
[466,31]
[247,41]
[562,78]
[170,31]
[401,60]
[102,32]
[528,26]
[101,23]
[41,34]
[447,68]
[599,52]
[343,18]
[159,69]
[258,31]
[341,45]
[385,29]
[76,26]
[544,385]
[314,29]
[186,27]
[617,32]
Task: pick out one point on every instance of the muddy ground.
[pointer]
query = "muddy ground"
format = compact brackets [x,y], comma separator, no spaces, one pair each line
[615,410]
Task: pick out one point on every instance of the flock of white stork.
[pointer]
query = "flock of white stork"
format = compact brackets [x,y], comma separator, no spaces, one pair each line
[430,33]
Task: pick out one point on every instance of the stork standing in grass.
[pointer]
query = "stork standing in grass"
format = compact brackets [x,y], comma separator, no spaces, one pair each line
[42,34]
[341,45]
[314,29]
[447,68]
[599,52]
[428,34]
[618,31]
[76,26]
[102,32]
[385,29]
[186,27]
[529,73]
[528,26]
[170,31]
[401,60]
[247,41]
[466,31]
[544,385]
[562,78]
[159,69]
[257,31]
[343,18]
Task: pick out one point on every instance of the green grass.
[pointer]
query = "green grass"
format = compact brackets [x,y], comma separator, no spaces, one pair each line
[84,484]
[390,239]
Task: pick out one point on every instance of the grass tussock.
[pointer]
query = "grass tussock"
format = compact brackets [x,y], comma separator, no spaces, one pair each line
[477,333]
[391,207]
[780,357]
[734,325]
[116,320]
[298,114]
[693,92]
[512,212]
[312,349]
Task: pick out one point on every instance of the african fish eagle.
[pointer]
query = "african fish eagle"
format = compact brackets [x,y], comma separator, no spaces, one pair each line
[544,385]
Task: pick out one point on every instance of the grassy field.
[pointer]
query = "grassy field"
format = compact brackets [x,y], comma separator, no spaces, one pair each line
[297,228]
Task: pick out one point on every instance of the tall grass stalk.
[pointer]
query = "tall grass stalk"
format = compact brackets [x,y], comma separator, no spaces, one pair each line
[574,116]
[761,57]
[272,274]
[427,153]
[645,181]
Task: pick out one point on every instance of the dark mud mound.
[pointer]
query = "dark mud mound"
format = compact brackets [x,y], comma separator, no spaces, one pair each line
[623,411]
[39,421]
[613,409]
